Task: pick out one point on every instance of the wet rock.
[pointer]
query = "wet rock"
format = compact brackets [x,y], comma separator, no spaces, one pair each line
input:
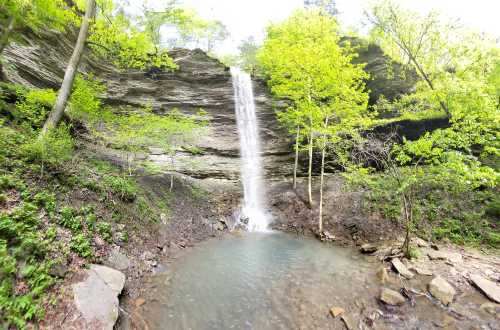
[326,236]
[442,290]
[382,275]
[420,270]
[219,226]
[489,288]
[460,311]
[118,260]
[96,298]
[336,311]
[491,308]
[368,248]
[391,297]
[401,268]
[59,270]
[348,321]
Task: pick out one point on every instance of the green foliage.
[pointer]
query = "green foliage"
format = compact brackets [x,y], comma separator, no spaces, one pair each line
[46,200]
[104,229]
[125,188]
[34,107]
[53,148]
[70,219]
[22,249]
[191,29]
[36,15]
[84,101]
[81,245]
[114,38]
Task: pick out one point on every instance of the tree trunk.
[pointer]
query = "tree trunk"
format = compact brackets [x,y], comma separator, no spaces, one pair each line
[296,165]
[323,152]
[4,40]
[309,170]
[69,76]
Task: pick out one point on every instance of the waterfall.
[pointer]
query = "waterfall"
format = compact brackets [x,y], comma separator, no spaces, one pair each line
[251,163]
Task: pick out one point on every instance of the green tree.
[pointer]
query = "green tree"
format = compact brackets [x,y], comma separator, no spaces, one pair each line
[69,76]
[248,55]
[304,64]
[33,14]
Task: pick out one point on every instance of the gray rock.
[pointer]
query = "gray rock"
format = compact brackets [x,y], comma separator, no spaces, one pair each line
[489,288]
[391,297]
[401,268]
[420,270]
[419,242]
[96,298]
[368,248]
[452,257]
[118,260]
[442,290]
[59,270]
[348,321]
[491,308]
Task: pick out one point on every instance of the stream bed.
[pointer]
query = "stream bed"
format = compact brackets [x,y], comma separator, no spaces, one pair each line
[278,281]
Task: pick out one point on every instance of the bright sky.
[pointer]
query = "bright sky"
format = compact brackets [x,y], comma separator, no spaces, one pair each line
[250,17]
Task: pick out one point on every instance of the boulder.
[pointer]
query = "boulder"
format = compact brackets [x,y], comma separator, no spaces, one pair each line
[419,242]
[96,298]
[401,268]
[118,260]
[391,297]
[442,290]
[491,308]
[489,288]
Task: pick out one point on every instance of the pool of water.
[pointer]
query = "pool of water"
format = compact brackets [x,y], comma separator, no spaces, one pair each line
[279,281]
[258,281]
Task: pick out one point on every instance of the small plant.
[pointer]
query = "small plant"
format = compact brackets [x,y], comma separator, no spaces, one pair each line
[81,245]
[46,200]
[69,219]
[124,188]
[104,229]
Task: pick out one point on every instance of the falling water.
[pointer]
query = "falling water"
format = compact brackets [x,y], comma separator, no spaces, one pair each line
[251,167]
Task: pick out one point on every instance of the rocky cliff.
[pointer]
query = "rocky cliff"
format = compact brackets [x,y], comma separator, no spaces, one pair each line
[200,83]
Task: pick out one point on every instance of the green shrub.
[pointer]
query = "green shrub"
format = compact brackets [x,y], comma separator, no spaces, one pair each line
[54,148]
[124,188]
[81,245]
[46,200]
[69,219]
[34,107]
[104,229]
[84,102]
[11,182]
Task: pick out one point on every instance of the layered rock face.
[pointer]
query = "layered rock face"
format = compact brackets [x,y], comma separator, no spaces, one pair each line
[200,83]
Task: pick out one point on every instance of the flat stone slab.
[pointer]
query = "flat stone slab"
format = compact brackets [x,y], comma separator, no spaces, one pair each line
[401,268]
[96,298]
[442,255]
[391,297]
[489,288]
[442,290]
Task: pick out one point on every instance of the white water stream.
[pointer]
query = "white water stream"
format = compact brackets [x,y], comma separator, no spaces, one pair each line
[251,163]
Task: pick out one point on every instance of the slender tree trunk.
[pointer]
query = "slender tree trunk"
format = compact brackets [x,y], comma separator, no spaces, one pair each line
[309,170]
[322,176]
[296,165]
[4,39]
[172,174]
[69,76]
